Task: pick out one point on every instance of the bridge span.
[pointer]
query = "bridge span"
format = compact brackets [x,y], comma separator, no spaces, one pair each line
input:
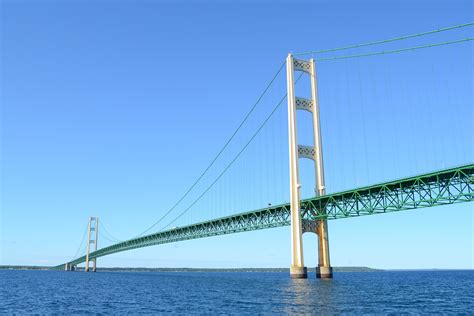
[450,186]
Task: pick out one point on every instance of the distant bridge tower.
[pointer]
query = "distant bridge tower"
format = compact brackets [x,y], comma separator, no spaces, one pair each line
[315,153]
[93,232]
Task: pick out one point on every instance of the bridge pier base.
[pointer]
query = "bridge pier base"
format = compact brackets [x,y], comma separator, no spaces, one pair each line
[69,267]
[298,272]
[324,269]
[324,272]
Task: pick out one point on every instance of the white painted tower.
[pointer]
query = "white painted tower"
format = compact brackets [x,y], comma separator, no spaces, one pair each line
[315,153]
[92,232]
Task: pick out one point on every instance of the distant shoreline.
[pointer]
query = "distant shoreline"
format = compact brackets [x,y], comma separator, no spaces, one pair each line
[142,269]
[286,270]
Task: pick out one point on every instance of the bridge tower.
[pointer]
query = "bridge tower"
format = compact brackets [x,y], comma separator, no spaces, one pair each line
[93,232]
[315,153]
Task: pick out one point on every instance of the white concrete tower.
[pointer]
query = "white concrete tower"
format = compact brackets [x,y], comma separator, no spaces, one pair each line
[315,153]
[92,231]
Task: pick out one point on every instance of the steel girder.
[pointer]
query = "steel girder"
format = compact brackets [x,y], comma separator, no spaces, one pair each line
[450,186]
[438,188]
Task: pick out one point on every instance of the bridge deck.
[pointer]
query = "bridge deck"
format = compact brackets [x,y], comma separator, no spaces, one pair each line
[443,187]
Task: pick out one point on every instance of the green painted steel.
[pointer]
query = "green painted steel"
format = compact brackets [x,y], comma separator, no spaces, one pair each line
[443,187]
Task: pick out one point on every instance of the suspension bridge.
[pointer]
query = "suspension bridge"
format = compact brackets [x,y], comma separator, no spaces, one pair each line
[304,215]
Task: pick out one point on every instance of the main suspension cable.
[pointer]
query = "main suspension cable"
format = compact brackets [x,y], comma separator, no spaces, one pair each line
[384,41]
[106,231]
[104,236]
[82,242]
[234,159]
[219,153]
[397,50]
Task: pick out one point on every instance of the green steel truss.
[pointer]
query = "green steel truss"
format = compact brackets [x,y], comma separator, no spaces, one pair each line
[438,188]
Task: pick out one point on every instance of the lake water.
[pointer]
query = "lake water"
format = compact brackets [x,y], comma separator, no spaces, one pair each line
[393,292]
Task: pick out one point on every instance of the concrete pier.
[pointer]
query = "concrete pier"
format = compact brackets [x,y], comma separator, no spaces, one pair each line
[298,272]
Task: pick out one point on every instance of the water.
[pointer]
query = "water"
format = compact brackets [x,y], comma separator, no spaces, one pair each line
[414,292]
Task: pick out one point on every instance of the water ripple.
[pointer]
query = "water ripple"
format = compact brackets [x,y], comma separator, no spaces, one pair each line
[420,292]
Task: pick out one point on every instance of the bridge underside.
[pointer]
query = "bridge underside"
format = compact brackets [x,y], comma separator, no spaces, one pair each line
[444,187]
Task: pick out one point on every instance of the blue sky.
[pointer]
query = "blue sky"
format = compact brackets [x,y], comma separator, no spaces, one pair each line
[113,109]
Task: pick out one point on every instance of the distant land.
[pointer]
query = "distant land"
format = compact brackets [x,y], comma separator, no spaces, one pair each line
[140,269]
